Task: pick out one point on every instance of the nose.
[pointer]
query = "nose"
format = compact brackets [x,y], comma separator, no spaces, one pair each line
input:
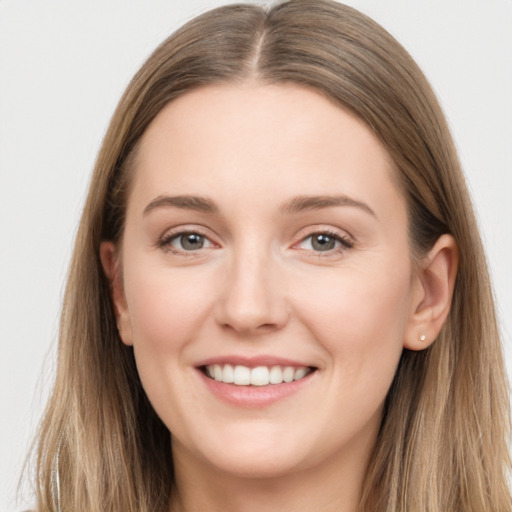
[253,299]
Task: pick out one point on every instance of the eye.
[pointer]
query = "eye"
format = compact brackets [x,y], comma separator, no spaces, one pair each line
[324,242]
[185,242]
[189,241]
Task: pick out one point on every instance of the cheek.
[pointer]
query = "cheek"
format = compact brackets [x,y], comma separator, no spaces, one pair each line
[351,300]
[166,307]
[360,320]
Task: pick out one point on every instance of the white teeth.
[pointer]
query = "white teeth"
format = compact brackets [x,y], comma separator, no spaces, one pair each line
[217,372]
[228,374]
[288,373]
[276,375]
[242,376]
[258,376]
[300,373]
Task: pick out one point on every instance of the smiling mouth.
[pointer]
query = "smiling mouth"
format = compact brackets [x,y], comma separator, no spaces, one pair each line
[240,375]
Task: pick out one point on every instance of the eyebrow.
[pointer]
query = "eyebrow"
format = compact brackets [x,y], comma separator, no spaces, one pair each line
[196,203]
[295,205]
[304,203]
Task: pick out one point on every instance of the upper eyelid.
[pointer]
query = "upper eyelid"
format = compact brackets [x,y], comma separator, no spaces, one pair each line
[345,242]
[183,229]
[322,228]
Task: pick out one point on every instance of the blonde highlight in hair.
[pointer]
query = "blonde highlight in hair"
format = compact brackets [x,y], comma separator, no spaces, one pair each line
[442,444]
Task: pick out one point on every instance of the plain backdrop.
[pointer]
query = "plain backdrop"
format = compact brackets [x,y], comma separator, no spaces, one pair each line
[64,65]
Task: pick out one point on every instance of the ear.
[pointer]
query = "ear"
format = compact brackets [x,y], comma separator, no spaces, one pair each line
[432,293]
[110,260]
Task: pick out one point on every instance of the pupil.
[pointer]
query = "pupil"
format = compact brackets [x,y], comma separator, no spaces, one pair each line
[192,241]
[323,242]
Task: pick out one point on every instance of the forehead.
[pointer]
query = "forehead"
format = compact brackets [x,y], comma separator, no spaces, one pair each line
[279,137]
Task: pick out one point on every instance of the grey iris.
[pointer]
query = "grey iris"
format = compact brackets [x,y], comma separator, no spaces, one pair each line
[192,241]
[323,242]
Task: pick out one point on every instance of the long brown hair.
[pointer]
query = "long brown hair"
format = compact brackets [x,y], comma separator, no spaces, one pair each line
[442,444]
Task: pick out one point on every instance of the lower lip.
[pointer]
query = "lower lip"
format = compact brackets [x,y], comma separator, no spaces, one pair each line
[254,396]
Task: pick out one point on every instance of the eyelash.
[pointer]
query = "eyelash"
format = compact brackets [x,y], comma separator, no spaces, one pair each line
[164,243]
[345,243]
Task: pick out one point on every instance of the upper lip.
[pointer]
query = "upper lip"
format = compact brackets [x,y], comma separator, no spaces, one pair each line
[252,361]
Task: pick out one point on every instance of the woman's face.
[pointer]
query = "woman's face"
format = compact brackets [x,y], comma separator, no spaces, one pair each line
[266,240]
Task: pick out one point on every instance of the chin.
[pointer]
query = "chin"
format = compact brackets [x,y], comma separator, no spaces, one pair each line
[258,466]
[257,453]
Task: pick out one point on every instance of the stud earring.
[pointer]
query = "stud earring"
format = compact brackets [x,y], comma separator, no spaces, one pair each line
[423,337]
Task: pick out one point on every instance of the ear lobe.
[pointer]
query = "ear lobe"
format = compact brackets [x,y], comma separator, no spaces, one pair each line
[110,261]
[432,296]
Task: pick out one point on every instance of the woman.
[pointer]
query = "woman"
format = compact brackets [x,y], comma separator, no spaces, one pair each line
[277,296]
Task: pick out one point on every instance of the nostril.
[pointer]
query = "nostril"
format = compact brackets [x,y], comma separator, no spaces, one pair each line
[249,327]
[251,300]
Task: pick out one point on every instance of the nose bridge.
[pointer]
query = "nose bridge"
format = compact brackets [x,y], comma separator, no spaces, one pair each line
[253,297]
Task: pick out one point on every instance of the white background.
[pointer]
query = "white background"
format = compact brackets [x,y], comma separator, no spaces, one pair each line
[64,65]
